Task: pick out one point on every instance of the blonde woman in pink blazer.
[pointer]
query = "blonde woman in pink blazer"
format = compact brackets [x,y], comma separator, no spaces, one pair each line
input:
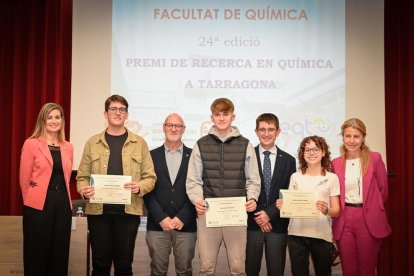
[45,169]
[363,224]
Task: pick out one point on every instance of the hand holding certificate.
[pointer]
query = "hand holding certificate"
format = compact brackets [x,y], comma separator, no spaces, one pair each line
[299,204]
[226,211]
[110,189]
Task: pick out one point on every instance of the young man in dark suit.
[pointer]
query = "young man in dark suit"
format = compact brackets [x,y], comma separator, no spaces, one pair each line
[171,216]
[264,224]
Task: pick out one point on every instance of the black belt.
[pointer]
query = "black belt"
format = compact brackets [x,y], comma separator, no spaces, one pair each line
[354,204]
[58,188]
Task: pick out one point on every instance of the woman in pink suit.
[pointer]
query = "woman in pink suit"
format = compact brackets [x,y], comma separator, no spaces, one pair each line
[363,224]
[45,168]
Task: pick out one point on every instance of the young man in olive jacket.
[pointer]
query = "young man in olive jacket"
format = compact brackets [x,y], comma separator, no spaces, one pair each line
[113,227]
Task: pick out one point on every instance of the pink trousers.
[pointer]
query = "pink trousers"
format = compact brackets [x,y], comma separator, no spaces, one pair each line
[358,249]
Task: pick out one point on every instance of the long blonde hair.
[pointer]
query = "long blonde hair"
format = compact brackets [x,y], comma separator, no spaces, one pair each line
[40,128]
[364,155]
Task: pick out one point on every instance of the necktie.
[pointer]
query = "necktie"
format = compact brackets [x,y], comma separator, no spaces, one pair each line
[267,173]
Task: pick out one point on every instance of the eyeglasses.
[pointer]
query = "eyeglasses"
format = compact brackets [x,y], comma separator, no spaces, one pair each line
[121,110]
[314,150]
[177,126]
[263,130]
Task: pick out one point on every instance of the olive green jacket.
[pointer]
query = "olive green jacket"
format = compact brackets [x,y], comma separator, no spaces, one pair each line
[136,161]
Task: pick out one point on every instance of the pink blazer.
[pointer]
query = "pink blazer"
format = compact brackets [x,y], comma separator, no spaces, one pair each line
[375,193]
[36,165]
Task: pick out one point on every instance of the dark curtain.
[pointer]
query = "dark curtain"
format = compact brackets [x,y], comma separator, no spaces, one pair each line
[398,251]
[35,68]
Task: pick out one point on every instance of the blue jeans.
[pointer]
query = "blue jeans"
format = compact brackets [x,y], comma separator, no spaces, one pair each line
[299,250]
[275,251]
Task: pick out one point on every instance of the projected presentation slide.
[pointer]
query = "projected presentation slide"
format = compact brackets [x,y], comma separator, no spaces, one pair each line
[283,57]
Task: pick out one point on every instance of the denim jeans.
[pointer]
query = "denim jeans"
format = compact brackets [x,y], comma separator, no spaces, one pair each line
[300,248]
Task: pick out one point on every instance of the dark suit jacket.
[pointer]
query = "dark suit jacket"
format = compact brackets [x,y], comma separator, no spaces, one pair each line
[285,166]
[167,200]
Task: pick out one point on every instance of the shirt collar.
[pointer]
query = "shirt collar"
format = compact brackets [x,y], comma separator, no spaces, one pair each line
[180,149]
[272,150]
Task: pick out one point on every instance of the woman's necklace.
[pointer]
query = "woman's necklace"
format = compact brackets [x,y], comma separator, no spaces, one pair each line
[53,142]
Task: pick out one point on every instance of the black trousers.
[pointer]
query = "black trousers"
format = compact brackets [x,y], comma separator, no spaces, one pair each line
[299,250]
[46,236]
[112,240]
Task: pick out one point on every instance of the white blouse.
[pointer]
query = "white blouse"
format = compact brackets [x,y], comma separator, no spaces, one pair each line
[353,181]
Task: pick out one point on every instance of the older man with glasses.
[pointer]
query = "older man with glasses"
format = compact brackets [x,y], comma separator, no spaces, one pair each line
[171,216]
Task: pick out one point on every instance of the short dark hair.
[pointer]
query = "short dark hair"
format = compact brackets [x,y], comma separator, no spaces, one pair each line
[268,118]
[115,98]
[221,105]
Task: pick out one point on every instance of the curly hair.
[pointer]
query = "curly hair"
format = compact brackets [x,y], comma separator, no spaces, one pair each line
[320,143]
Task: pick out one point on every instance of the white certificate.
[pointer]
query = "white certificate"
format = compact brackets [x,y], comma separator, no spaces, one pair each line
[226,211]
[110,189]
[299,204]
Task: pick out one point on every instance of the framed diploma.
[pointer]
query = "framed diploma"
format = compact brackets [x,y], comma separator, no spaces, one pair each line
[226,211]
[110,189]
[299,204]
